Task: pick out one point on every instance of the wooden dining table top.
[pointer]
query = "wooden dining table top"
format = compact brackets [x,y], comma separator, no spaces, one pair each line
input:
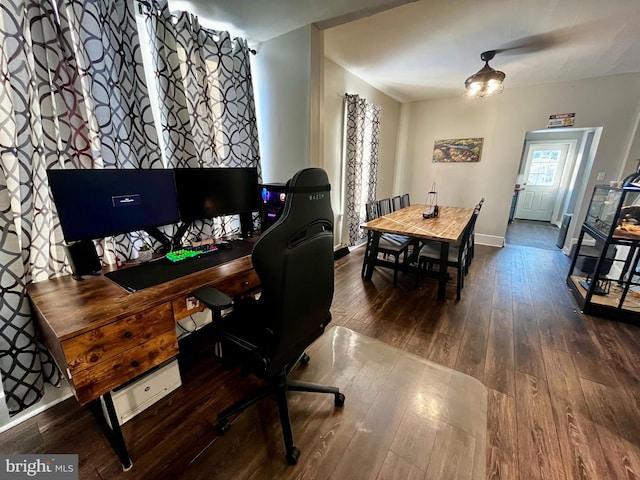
[446,227]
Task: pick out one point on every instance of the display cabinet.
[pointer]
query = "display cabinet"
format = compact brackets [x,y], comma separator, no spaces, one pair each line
[604,273]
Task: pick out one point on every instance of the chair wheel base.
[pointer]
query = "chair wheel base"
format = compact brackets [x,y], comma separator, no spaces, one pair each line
[223,427]
[293,454]
[339,400]
[304,359]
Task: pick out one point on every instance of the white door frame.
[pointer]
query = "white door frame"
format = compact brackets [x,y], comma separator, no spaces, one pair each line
[568,168]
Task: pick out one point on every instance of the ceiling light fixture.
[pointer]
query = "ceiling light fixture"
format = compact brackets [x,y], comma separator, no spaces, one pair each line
[487,81]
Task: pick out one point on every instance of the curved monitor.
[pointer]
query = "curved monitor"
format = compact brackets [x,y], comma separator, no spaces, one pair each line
[98,203]
[212,192]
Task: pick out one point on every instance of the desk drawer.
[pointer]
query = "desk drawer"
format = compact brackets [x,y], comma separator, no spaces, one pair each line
[239,284]
[105,376]
[91,348]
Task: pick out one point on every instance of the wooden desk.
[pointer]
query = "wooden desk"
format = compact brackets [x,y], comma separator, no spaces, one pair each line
[446,228]
[102,336]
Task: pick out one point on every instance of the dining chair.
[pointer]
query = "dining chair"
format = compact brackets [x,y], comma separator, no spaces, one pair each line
[458,255]
[388,244]
[472,237]
[404,200]
[384,206]
[396,203]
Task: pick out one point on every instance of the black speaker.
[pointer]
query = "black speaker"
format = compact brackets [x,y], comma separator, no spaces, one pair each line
[246,224]
[83,258]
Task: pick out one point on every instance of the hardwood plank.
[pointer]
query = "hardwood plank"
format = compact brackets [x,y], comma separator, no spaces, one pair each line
[590,358]
[499,366]
[622,452]
[502,297]
[501,437]
[618,346]
[539,453]
[581,451]
[397,468]
[423,336]
[445,349]
[473,350]
[528,350]
[520,292]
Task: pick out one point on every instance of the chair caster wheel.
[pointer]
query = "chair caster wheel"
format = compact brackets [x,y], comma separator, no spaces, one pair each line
[339,401]
[223,427]
[305,359]
[293,454]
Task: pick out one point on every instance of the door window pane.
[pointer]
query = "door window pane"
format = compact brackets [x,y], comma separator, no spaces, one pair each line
[544,166]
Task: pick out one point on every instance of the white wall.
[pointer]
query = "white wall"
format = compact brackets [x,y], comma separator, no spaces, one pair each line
[337,82]
[282,79]
[610,102]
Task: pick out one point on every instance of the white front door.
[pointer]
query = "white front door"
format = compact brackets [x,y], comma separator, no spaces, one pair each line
[542,175]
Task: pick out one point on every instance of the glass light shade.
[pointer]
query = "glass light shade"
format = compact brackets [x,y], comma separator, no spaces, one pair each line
[485,83]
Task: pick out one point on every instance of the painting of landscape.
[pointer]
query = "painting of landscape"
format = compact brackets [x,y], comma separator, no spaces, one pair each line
[457,150]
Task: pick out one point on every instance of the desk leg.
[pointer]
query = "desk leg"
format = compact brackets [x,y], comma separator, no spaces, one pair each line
[372,254]
[113,432]
[444,275]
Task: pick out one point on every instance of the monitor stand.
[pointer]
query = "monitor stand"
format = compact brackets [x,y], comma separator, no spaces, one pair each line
[160,237]
[83,259]
[177,238]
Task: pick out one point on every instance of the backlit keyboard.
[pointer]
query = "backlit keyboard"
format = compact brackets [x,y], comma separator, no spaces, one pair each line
[190,252]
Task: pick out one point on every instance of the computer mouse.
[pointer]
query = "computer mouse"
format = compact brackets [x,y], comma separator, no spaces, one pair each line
[225,245]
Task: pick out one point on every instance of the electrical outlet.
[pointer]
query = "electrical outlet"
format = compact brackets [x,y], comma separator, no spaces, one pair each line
[601,176]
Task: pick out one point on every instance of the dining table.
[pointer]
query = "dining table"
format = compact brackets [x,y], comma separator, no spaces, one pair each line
[446,228]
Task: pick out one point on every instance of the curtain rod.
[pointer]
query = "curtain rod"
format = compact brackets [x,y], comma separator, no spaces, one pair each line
[145,3]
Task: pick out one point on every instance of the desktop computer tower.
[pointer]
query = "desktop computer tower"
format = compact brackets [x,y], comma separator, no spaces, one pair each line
[273,197]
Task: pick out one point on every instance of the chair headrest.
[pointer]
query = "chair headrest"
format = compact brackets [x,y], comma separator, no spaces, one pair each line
[309,180]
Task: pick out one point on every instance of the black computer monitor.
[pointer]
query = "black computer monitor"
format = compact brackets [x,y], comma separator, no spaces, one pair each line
[98,203]
[212,192]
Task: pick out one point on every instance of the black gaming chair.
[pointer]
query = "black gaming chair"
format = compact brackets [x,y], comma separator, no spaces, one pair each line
[294,261]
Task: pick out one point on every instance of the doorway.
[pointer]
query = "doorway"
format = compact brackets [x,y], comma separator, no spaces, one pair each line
[554,170]
[544,166]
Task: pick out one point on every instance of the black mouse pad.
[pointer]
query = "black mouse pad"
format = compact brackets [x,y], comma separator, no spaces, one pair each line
[162,270]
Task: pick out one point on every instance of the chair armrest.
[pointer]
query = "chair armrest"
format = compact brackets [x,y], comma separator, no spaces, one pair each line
[213,298]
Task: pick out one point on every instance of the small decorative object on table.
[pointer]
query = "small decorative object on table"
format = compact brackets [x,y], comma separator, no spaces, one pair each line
[145,253]
[431,204]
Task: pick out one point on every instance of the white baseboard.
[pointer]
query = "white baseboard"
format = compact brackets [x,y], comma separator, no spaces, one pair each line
[52,396]
[590,242]
[489,240]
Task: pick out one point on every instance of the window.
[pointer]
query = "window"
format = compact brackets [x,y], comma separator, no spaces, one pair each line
[544,166]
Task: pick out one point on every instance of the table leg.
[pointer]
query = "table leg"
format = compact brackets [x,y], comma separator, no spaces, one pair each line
[112,431]
[371,257]
[443,274]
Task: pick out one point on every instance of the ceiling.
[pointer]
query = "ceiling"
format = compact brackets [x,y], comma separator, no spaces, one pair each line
[260,20]
[426,49]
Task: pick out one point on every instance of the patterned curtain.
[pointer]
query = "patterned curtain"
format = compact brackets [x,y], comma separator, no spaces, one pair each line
[207,110]
[362,139]
[72,95]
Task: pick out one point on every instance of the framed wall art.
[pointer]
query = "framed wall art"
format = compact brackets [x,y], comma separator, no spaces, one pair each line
[457,150]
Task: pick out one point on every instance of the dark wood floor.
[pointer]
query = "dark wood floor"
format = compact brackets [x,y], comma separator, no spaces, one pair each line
[531,233]
[564,388]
